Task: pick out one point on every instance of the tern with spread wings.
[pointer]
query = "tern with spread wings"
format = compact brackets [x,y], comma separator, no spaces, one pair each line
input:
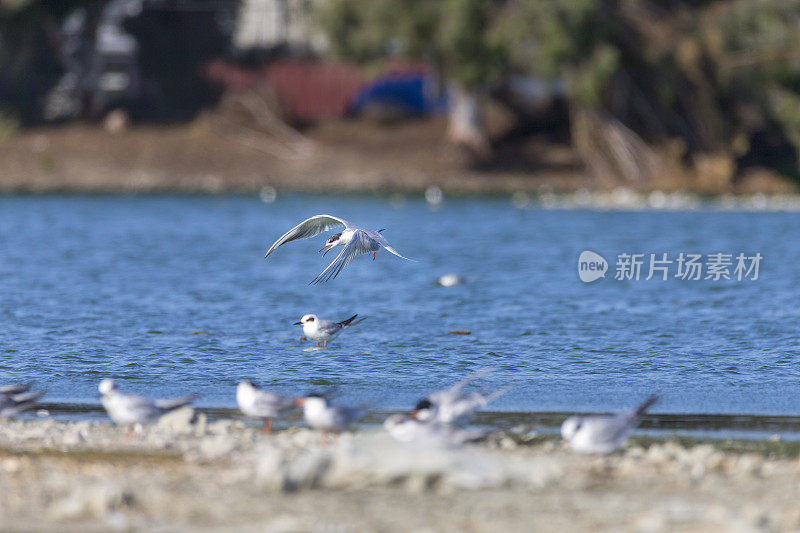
[354,241]
[455,406]
[16,398]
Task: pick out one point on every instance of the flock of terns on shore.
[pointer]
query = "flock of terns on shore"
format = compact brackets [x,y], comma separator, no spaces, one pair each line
[441,418]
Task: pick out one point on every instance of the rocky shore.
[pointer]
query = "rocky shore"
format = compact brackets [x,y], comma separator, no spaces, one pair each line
[195,475]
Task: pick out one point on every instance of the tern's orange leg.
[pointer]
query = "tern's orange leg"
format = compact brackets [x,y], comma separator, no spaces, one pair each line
[267,426]
[134,430]
[373,256]
[325,344]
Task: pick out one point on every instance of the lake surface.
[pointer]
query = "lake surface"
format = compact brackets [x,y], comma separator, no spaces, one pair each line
[120,286]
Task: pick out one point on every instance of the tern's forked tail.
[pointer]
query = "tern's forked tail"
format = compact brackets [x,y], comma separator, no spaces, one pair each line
[646,405]
[349,322]
[175,403]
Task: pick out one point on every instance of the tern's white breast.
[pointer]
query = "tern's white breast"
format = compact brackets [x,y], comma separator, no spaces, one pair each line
[123,410]
[318,415]
[246,399]
[320,330]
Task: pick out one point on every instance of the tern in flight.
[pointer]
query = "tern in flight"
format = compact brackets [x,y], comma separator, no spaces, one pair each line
[354,241]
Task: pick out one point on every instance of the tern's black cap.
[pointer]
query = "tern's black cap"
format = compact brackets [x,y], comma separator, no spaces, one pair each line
[423,404]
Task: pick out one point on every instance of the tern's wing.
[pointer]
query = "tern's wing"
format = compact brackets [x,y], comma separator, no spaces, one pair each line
[11,405]
[469,379]
[308,228]
[346,415]
[462,407]
[270,402]
[610,429]
[359,244]
[328,327]
[137,407]
[391,250]
[623,423]
[14,389]
[173,403]
[616,428]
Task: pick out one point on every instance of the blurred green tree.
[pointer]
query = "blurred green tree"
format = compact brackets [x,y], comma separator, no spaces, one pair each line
[643,74]
[451,35]
[697,87]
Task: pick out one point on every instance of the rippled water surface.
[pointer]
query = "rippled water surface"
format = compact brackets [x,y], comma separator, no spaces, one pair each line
[120,286]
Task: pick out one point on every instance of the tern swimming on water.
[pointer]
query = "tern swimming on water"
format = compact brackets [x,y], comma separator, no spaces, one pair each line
[324,330]
[355,241]
[602,434]
[15,398]
[129,409]
[455,405]
[259,403]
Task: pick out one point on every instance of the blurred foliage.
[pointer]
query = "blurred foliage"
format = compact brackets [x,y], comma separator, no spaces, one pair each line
[453,35]
[752,50]
[718,77]
[573,39]
[712,74]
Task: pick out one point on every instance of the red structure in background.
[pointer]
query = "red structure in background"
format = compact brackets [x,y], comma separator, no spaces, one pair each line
[308,90]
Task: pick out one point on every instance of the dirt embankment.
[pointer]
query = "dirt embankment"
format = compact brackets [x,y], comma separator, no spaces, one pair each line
[176,476]
[216,154]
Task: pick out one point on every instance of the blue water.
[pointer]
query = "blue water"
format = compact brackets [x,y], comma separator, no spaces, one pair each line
[117,286]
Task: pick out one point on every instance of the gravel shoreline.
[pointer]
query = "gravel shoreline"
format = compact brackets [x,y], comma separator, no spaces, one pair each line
[181,475]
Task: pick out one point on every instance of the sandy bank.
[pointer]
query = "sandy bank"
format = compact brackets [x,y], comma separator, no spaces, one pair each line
[85,476]
[214,154]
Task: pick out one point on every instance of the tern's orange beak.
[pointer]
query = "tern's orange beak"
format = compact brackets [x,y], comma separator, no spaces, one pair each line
[299,402]
[413,414]
[326,248]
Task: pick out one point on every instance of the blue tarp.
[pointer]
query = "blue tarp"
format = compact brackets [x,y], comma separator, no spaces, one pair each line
[413,92]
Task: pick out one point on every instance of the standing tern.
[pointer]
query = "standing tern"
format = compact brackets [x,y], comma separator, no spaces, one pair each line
[319,413]
[602,434]
[324,330]
[455,405]
[129,409]
[16,398]
[355,241]
[258,403]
